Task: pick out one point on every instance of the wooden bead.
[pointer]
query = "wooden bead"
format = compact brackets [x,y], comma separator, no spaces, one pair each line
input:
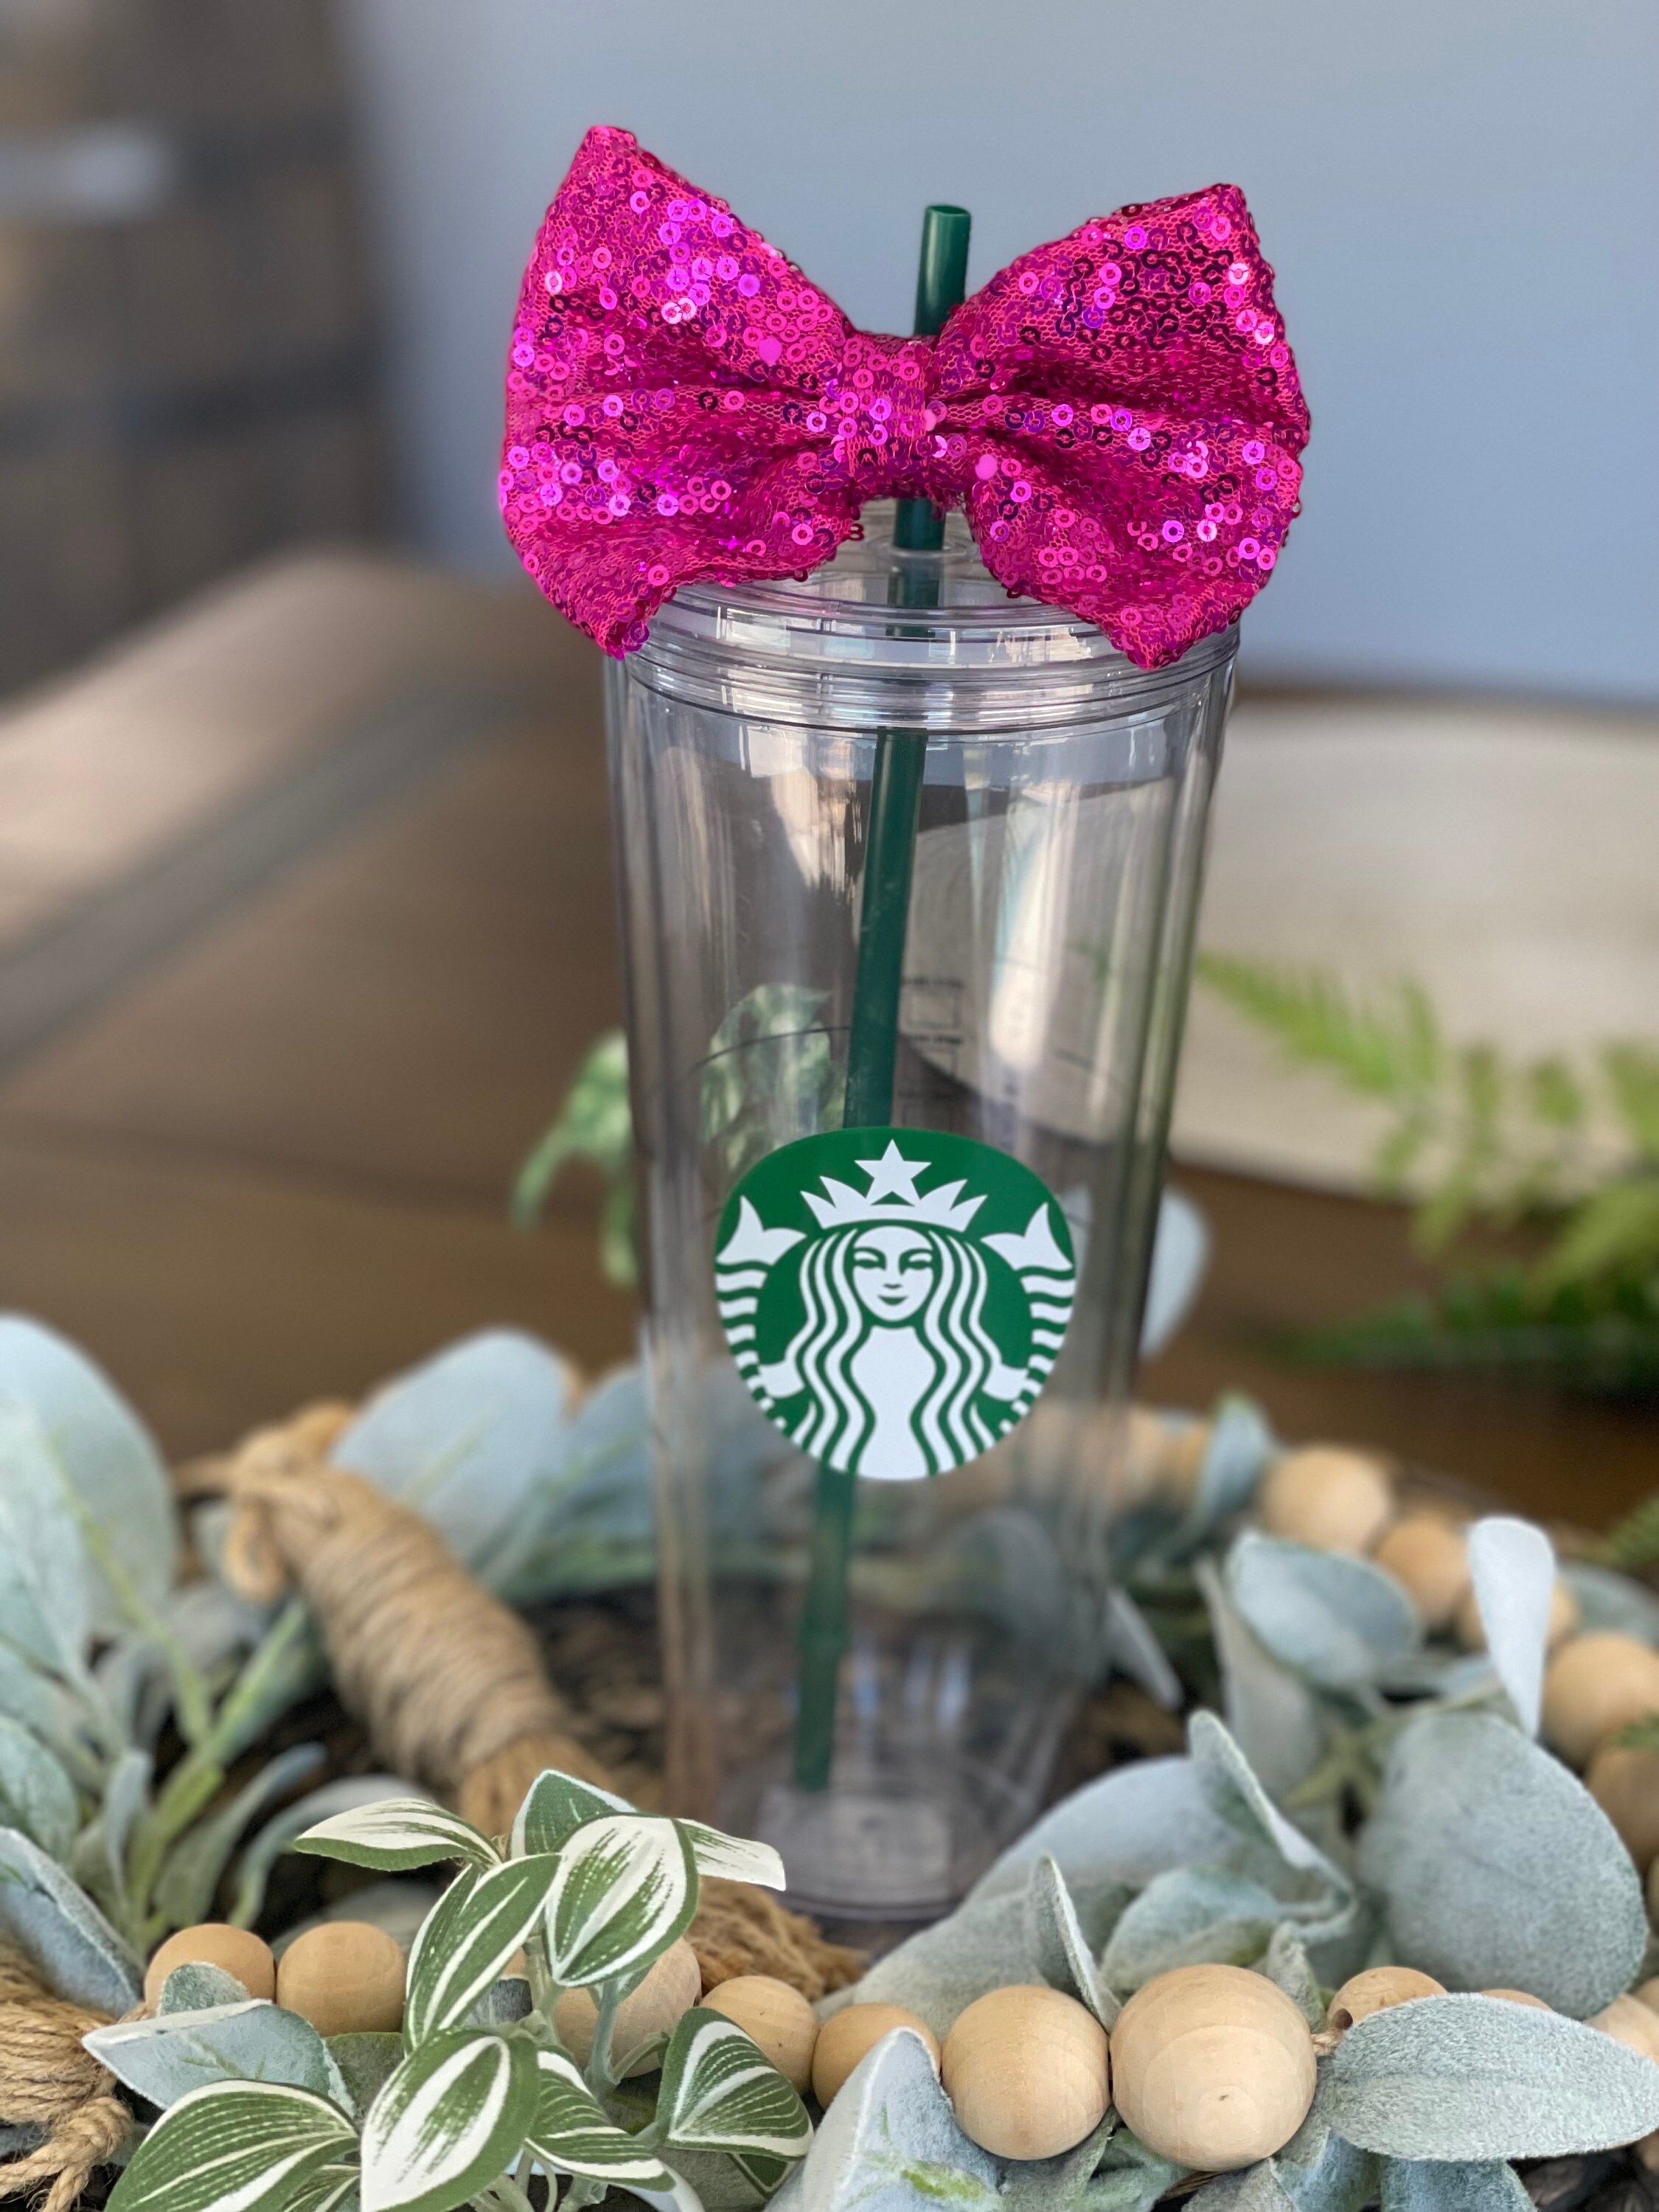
[1624,1783]
[1028,2071]
[1593,1686]
[1630,2022]
[1647,1993]
[1563,1620]
[846,2036]
[1334,1499]
[656,2007]
[232,1950]
[1653,1892]
[775,2016]
[1212,2067]
[1429,1558]
[345,1977]
[1378,1989]
[1518,1997]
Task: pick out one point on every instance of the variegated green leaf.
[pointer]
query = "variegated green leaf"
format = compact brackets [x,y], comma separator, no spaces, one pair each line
[241,2147]
[572,2134]
[555,1806]
[737,1858]
[397,1833]
[720,2091]
[626,1885]
[451,2118]
[467,1938]
[366,2060]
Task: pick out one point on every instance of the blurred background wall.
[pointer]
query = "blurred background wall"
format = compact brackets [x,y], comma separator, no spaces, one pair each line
[1460,196]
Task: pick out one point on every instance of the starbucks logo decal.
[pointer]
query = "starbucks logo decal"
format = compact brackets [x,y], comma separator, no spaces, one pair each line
[894,1298]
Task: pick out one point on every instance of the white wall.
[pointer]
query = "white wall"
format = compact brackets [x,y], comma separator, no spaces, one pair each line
[1460,197]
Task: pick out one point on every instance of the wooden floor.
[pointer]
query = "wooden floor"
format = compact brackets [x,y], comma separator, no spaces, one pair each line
[282,1011]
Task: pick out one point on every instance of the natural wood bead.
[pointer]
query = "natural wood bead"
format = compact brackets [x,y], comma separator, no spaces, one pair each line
[1595,1686]
[1028,2072]
[1378,1989]
[1653,1891]
[1624,1783]
[1518,1997]
[1630,2022]
[1429,1558]
[1647,1993]
[846,2035]
[1326,1496]
[776,2017]
[1563,1619]
[1212,2067]
[656,2007]
[234,1950]
[345,1977]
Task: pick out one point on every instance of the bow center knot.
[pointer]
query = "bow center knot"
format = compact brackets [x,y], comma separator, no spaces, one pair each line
[878,418]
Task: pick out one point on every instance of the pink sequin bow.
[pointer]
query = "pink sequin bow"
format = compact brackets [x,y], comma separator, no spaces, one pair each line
[1117,414]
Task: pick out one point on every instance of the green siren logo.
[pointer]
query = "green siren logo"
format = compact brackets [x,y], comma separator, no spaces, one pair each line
[894,1298]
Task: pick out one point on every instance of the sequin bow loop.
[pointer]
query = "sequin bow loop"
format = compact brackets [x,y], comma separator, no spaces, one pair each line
[1117,414]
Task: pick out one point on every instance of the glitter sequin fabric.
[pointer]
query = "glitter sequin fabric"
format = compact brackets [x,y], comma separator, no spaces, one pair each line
[1117,414]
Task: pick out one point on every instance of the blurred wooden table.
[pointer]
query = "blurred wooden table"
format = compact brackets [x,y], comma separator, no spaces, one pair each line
[305,922]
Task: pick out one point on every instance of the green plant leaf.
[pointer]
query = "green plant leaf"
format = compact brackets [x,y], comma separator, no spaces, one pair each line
[453,2118]
[470,1934]
[347,1794]
[1512,1568]
[1632,1077]
[1615,1232]
[392,1834]
[624,1888]
[191,1872]
[1189,1916]
[555,1807]
[1339,1621]
[571,2132]
[45,1580]
[197,1987]
[1497,1869]
[1476,2078]
[35,1794]
[251,2040]
[103,1455]
[1250,2189]
[61,1932]
[1273,1715]
[241,2147]
[1436,2185]
[737,1858]
[720,2091]
[1285,1964]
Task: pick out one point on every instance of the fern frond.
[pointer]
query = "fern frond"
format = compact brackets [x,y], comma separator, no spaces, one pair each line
[1633,1074]
[1384,1052]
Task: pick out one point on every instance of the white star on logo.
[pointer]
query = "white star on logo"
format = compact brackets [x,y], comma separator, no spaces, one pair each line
[892,1175]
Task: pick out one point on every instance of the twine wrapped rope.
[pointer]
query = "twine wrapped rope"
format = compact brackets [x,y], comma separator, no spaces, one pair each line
[48,2080]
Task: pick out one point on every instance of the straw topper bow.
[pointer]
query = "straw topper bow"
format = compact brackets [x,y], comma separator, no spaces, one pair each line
[1117,414]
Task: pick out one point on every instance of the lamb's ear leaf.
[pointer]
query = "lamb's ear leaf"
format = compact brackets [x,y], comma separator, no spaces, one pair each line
[197,1987]
[985,1944]
[1476,2079]
[1129,2178]
[720,2091]
[35,1794]
[1339,1622]
[366,2061]
[1452,2185]
[1191,1915]
[258,2146]
[1498,1870]
[1322,2172]
[1059,1946]
[393,1834]
[571,2132]
[61,1932]
[165,2059]
[1287,1965]
[1512,1567]
[190,1874]
[555,1807]
[1059,2184]
[467,1938]
[1273,1714]
[624,1887]
[1250,2189]
[453,2118]
[1126,1826]
[891,2137]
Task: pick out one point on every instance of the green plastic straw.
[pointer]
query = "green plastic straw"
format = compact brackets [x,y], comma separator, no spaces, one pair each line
[890,847]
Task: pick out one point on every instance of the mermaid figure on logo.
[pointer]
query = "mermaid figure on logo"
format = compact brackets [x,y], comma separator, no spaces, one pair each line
[894,1371]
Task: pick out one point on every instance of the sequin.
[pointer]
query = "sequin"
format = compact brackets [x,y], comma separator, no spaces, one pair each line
[683,404]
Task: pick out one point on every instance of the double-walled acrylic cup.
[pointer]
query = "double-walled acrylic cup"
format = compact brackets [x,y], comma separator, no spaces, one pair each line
[1046,950]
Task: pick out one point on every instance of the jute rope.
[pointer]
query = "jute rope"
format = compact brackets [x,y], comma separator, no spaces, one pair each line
[740,1929]
[49,2080]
